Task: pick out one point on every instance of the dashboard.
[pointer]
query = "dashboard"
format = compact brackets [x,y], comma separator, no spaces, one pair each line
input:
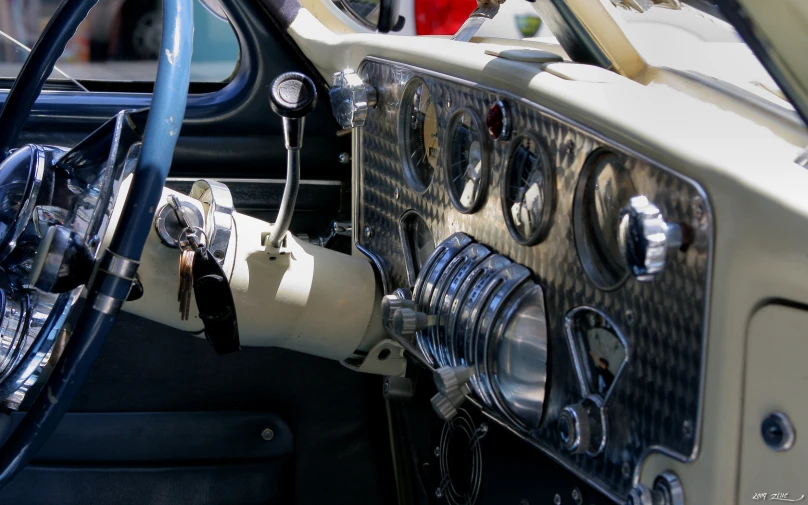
[567,274]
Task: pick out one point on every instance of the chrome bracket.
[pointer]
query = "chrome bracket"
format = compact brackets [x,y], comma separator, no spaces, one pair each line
[384,358]
[218,204]
[486,9]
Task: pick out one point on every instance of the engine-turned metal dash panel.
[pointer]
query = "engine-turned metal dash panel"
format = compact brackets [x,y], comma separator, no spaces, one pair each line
[655,403]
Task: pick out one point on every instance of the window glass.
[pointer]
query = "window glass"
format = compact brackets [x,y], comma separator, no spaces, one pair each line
[118,42]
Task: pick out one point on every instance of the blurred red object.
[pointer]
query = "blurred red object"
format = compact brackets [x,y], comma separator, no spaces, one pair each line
[441,17]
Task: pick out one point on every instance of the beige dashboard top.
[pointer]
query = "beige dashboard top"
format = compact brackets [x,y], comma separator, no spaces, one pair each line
[740,152]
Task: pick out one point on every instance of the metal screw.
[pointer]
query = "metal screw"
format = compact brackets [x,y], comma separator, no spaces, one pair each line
[448,101]
[368,232]
[626,470]
[436,452]
[576,496]
[777,432]
[687,428]
[439,493]
[344,158]
[630,317]
[570,147]
[397,193]
[267,434]
[386,385]
[557,499]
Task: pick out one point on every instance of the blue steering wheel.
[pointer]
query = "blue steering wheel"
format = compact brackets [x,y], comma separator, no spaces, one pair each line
[120,261]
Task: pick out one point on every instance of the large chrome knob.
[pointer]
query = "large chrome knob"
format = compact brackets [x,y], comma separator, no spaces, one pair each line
[644,238]
[350,99]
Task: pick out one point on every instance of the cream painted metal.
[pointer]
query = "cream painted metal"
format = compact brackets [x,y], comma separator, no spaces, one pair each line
[313,300]
[775,381]
[740,152]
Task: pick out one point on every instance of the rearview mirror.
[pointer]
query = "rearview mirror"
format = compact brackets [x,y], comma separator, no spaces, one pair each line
[379,15]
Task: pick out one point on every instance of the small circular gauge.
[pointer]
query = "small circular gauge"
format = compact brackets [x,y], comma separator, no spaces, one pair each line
[418,134]
[466,161]
[605,187]
[527,191]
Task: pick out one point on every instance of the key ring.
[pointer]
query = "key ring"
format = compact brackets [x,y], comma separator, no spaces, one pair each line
[192,239]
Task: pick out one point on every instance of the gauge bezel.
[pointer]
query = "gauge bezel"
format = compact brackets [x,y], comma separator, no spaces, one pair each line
[410,172]
[549,191]
[589,253]
[485,160]
[575,351]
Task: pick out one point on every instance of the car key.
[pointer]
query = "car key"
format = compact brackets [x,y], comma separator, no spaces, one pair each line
[214,299]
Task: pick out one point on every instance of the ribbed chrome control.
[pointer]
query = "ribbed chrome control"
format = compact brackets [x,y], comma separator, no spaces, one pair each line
[480,319]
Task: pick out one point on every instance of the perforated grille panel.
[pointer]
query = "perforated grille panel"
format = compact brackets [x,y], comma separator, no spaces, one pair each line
[656,401]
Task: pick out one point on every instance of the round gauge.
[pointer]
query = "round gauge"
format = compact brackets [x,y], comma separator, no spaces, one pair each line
[527,191]
[466,161]
[605,188]
[418,134]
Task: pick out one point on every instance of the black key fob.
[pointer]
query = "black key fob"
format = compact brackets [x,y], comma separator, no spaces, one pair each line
[215,303]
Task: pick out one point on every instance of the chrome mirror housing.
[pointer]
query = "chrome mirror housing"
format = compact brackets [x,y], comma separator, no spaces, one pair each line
[43,188]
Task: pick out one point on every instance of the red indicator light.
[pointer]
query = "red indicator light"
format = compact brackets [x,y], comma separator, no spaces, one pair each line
[498,121]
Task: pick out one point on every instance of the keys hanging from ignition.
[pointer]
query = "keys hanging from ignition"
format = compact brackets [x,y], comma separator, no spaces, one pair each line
[190,247]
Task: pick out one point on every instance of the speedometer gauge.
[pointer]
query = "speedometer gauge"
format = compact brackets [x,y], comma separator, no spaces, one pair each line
[418,134]
[527,191]
[466,161]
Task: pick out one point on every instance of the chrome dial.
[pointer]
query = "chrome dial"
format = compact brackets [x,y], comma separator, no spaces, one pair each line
[466,161]
[418,134]
[527,191]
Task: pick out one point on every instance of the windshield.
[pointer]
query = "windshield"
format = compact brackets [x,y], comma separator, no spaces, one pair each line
[696,41]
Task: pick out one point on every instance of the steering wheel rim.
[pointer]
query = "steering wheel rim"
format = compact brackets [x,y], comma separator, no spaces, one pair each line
[111,284]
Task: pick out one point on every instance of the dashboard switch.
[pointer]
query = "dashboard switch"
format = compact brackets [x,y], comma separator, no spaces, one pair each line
[644,238]
[407,321]
[667,490]
[573,428]
[582,427]
[393,303]
[350,99]
[449,379]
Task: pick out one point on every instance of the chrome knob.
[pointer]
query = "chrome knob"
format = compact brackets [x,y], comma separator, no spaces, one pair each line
[574,429]
[667,490]
[350,99]
[407,321]
[644,238]
[393,303]
[449,379]
[445,405]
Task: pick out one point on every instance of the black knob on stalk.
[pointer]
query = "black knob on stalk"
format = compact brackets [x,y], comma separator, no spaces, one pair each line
[293,96]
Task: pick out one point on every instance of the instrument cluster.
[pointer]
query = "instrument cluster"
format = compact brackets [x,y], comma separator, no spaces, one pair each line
[565,277]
